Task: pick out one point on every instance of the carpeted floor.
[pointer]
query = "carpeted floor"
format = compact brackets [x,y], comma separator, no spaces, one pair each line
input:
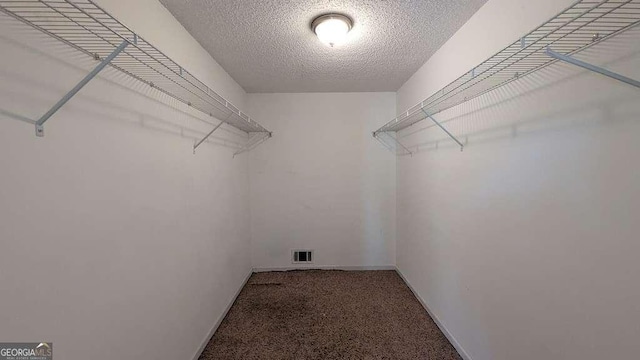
[315,314]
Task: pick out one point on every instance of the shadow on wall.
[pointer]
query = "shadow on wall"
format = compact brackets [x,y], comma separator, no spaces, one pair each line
[36,70]
[530,104]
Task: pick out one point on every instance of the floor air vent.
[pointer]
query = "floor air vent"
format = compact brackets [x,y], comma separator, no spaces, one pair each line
[302,256]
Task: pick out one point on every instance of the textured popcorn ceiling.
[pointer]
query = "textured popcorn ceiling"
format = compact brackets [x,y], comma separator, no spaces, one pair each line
[268,46]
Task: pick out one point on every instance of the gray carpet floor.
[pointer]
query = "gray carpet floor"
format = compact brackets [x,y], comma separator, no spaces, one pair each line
[316,314]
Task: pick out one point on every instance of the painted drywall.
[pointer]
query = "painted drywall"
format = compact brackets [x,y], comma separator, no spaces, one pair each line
[325,184]
[115,240]
[524,246]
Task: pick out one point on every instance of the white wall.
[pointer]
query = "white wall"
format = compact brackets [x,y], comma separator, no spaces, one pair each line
[323,182]
[525,245]
[115,240]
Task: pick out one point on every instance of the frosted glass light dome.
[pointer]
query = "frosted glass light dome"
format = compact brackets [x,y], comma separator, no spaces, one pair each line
[332,29]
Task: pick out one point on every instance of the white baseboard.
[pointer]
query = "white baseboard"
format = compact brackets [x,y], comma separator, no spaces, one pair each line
[444,330]
[324,267]
[219,321]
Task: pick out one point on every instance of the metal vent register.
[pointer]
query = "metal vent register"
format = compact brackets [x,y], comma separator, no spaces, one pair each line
[302,256]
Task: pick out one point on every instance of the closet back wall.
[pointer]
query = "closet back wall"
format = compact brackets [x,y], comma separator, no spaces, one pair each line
[325,184]
[116,242]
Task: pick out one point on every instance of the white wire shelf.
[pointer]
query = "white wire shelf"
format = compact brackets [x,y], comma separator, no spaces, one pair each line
[91,30]
[578,27]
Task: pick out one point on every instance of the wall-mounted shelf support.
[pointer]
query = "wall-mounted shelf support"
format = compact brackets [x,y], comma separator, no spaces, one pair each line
[81,84]
[395,139]
[443,129]
[382,142]
[87,28]
[253,142]
[591,67]
[584,24]
[195,146]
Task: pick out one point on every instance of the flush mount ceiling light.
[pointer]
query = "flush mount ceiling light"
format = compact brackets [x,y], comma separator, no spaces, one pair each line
[332,29]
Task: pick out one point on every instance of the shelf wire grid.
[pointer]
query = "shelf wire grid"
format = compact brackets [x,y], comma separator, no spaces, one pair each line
[578,27]
[88,28]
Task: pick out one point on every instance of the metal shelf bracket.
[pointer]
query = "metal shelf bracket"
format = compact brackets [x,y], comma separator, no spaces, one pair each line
[40,123]
[444,129]
[375,135]
[251,143]
[198,143]
[583,24]
[591,67]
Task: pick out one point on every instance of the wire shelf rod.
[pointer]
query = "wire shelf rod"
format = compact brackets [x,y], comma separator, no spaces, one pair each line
[578,27]
[86,27]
